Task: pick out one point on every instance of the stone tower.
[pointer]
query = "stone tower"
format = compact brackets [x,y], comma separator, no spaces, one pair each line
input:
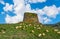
[30,18]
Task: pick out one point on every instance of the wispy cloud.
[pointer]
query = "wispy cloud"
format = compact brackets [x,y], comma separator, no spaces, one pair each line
[2,2]
[8,7]
[35,1]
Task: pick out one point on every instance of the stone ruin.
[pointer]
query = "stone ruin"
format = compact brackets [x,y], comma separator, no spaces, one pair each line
[30,18]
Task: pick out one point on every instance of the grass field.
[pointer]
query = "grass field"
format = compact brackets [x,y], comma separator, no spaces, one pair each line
[28,31]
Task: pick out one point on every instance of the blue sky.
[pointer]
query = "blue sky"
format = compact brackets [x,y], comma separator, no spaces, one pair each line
[12,11]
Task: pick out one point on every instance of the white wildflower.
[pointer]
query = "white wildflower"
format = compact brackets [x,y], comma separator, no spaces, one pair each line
[47,30]
[40,35]
[34,27]
[17,27]
[56,30]
[38,28]
[32,31]
[20,26]
[43,34]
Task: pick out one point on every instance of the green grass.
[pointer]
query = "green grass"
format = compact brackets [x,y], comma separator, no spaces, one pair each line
[27,31]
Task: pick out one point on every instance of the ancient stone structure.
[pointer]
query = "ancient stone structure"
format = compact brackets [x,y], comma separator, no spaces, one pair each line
[30,18]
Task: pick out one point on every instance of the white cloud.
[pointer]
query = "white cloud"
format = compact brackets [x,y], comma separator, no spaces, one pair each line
[28,9]
[42,0]
[19,9]
[2,12]
[2,2]
[8,7]
[47,20]
[40,11]
[51,11]
[40,18]
[35,1]
[19,6]
[14,19]
[32,1]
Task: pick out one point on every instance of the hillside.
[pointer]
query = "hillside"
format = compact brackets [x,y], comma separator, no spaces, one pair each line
[28,30]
